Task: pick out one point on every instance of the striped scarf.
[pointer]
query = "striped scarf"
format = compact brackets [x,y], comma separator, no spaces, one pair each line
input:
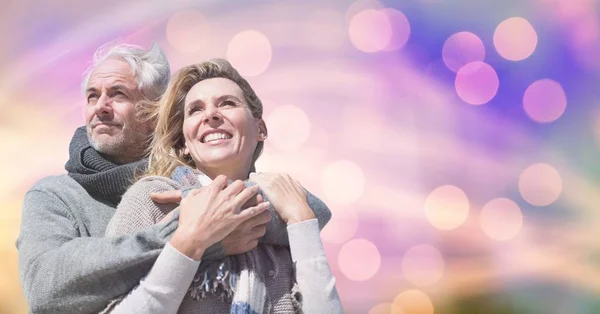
[237,278]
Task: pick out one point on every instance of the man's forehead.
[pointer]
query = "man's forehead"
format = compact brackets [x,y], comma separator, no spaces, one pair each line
[111,72]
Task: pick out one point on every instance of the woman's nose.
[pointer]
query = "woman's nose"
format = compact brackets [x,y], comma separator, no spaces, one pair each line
[211,113]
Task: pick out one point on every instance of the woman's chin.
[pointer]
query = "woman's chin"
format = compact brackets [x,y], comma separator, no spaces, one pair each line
[216,162]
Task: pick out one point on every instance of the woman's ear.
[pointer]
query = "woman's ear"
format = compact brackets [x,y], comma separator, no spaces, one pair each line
[262,130]
[186,151]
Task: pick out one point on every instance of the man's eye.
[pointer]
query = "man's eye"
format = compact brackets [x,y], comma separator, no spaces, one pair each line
[92,97]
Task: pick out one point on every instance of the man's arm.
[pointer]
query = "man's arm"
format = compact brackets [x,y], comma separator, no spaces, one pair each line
[62,272]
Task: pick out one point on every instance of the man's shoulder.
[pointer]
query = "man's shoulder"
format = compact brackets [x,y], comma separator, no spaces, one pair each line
[56,184]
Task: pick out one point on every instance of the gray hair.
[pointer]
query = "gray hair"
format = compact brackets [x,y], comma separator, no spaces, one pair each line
[150,68]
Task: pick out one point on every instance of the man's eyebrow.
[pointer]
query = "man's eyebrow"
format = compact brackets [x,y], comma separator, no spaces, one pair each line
[90,90]
[119,87]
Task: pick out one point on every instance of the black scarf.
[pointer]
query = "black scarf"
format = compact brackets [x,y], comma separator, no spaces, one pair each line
[102,178]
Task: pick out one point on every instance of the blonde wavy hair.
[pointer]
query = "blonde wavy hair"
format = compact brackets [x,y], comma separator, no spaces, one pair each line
[167,147]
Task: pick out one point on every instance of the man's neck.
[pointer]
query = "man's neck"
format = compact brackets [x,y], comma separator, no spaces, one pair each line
[122,159]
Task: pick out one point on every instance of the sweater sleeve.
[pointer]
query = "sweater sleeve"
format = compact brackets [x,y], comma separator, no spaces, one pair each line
[62,272]
[136,210]
[162,291]
[276,232]
[313,275]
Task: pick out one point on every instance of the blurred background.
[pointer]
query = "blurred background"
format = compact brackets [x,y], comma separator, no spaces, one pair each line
[456,141]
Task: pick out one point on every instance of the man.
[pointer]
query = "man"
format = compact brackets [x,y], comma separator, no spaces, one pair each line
[65,262]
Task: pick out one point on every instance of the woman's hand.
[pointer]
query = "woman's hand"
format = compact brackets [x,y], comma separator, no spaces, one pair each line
[286,194]
[209,214]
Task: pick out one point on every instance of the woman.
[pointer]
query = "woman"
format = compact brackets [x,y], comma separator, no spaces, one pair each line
[210,131]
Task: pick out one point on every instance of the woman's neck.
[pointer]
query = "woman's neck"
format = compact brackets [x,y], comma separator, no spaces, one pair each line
[231,173]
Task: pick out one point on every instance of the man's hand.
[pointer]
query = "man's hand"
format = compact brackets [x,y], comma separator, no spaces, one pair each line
[245,237]
[166,197]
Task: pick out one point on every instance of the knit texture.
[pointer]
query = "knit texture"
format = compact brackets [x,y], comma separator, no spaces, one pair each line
[274,261]
[97,175]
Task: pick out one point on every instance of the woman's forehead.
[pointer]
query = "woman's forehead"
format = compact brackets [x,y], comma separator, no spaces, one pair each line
[214,88]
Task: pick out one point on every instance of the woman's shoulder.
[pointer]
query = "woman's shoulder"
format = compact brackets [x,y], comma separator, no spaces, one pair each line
[151,184]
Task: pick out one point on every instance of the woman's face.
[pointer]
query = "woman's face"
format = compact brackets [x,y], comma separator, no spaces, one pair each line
[219,129]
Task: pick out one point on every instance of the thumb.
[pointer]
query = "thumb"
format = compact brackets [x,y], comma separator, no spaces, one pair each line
[166,197]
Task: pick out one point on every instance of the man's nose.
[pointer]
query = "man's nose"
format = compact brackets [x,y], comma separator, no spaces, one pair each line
[103,107]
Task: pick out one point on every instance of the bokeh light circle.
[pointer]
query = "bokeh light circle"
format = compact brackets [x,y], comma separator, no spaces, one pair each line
[343,182]
[515,39]
[400,29]
[187,31]
[476,83]
[383,308]
[423,265]
[359,260]
[540,184]
[412,302]
[501,219]
[370,30]
[288,127]
[447,207]
[544,101]
[462,48]
[342,226]
[250,52]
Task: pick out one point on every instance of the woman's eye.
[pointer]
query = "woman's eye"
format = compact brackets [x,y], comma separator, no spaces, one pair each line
[194,109]
[228,103]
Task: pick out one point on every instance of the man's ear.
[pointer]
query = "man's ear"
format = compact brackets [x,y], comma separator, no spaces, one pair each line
[262,130]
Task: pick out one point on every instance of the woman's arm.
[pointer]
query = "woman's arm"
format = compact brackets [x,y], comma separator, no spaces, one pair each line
[209,210]
[313,275]
[163,290]
[165,285]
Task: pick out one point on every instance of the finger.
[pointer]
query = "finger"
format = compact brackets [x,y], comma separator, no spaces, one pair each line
[168,217]
[234,188]
[219,183]
[244,196]
[253,201]
[252,244]
[253,211]
[166,197]
[260,219]
[194,192]
[258,232]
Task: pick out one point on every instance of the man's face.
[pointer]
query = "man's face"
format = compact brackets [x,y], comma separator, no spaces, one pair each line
[111,123]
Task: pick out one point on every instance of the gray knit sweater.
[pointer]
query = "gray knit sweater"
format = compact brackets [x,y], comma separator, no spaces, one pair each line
[65,262]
